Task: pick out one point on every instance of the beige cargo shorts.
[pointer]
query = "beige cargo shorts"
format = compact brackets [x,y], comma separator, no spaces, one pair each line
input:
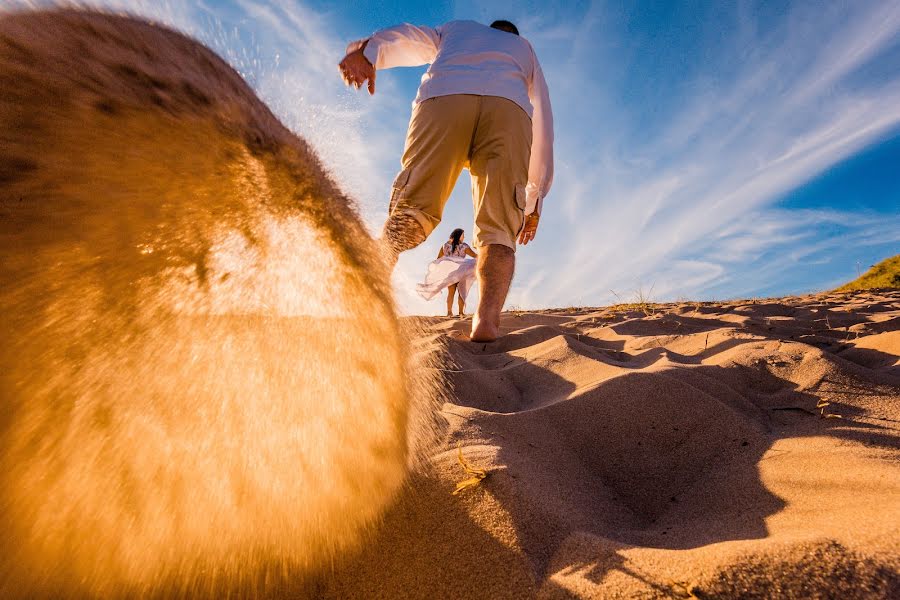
[489,135]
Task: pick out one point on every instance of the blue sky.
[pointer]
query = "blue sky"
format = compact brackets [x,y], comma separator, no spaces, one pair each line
[705,150]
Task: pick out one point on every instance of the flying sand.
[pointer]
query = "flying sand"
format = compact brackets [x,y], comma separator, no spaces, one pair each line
[187,403]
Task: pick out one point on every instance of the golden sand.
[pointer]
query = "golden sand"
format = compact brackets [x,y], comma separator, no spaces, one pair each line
[702,450]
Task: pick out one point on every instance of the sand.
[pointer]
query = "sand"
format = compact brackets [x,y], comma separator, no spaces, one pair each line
[746,449]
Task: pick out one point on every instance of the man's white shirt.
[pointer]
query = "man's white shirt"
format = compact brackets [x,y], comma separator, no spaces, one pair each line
[466,57]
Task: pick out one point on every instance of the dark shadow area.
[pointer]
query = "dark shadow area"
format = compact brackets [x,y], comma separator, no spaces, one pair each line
[428,546]
[670,324]
[872,359]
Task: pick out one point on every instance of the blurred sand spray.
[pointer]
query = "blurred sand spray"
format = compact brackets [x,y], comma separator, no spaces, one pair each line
[203,380]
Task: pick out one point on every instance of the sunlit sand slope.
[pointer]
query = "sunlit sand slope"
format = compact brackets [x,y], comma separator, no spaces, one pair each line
[203,383]
[716,450]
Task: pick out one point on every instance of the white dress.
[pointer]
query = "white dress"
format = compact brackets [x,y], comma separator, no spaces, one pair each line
[452,267]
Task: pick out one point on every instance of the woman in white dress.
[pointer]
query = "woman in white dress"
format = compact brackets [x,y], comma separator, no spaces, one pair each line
[452,270]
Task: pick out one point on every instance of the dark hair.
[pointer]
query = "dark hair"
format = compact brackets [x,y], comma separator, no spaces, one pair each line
[505,26]
[454,237]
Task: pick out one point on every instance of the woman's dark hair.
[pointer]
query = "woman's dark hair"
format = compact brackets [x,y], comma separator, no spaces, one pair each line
[454,238]
[505,26]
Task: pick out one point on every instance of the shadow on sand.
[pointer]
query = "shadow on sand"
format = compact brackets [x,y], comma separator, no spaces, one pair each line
[648,458]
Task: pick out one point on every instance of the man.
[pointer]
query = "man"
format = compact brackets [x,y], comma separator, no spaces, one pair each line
[482,104]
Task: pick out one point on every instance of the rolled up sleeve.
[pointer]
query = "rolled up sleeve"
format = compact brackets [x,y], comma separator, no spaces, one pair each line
[400,46]
[540,167]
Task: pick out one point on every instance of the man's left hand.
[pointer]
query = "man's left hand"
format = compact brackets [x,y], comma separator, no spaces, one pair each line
[530,229]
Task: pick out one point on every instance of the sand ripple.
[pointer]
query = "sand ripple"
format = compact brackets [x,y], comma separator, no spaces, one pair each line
[705,450]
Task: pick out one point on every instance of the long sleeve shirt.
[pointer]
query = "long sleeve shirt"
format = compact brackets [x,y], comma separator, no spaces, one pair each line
[466,57]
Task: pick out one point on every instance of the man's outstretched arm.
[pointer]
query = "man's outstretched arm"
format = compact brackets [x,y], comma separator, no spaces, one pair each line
[400,46]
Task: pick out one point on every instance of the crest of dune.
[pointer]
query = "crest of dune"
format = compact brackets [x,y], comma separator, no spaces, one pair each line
[202,379]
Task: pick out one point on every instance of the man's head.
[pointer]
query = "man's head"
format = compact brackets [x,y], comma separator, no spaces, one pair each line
[505,26]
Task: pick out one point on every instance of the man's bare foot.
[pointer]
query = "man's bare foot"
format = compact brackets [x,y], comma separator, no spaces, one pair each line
[482,331]
[401,233]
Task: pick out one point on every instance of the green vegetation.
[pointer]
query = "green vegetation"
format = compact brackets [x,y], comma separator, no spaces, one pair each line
[884,274]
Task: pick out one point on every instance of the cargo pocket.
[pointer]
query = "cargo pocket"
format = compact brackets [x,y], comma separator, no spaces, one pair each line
[520,204]
[397,188]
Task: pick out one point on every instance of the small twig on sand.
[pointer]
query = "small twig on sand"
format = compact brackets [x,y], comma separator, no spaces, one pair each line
[477,475]
[822,405]
[450,412]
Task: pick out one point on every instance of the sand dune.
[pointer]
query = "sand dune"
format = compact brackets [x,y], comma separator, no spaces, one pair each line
[715,450]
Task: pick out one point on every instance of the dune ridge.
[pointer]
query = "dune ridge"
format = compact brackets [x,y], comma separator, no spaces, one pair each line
[696,450]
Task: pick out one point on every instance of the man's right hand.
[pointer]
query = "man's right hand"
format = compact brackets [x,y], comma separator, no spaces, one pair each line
[356,69]
[530,229]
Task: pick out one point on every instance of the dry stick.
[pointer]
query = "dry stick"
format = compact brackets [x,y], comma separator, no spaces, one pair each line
[822,405]
[477,475]
[450,412]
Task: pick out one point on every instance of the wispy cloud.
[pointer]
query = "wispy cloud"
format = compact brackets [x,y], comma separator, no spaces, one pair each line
[770,245]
